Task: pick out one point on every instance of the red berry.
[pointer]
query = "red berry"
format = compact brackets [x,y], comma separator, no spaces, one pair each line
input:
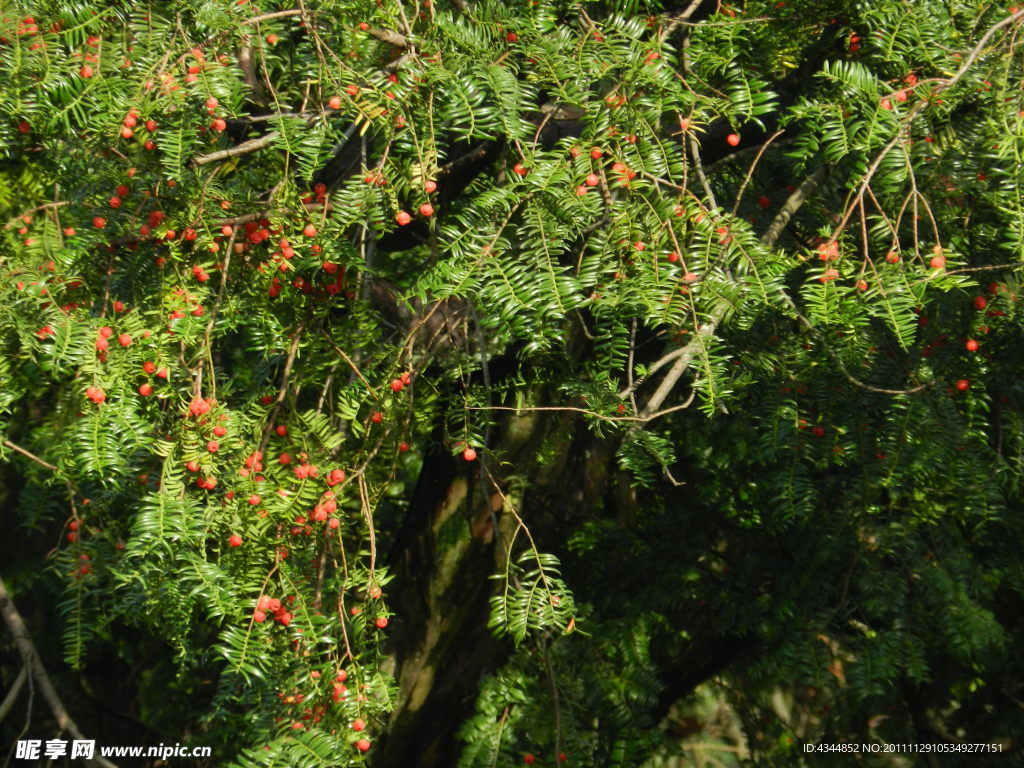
[429,187]
[358,724]
[377,417]
[592,180]
[402,218]
[352,90]
[99,222]
[219,125]
[220,431]
[254,499]
[427,209]
[972,345]
[146,390]
[397,385]
[403,447]
[335,102]
[980,302]
[309,230]
[519,169]
[938,262]
[963,385]
[733,139]
[259,616]
[213,446]
[124,340]
[85,71]
[271,38]
[596,153]
[469,454]
[529,759]
[235,540]
[363,745]
[212,103]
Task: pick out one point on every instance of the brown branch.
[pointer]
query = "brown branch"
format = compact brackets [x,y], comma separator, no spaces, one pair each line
[30,455]
[12,695]
[388,36]
[244,148]
[30,657]
[274,15]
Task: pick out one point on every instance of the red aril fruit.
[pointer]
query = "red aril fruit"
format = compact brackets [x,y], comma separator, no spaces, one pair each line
[427,209]
[971,345]
[733,139]
[402,218]
[235,540]
[309,230]
[146,390]
[469,454]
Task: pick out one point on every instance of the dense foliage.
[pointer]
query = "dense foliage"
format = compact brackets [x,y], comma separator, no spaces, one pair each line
[471,382]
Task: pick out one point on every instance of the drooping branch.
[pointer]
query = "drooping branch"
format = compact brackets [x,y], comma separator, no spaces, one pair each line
[30,657]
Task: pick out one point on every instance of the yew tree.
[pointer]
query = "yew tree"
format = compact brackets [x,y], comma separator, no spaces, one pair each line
[477,382]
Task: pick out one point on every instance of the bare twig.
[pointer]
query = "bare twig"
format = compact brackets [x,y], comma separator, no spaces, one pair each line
[32,456]
[253,145]
[12,694]
[30,657]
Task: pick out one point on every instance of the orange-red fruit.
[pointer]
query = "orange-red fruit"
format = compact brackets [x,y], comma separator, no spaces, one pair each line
[377,417]
[429,186]
[85,71]
[281,430]
[427,209]
[254,499]
[309,230]
[938,262]
[980,302]
[403,447]
[235,540]
[963,385]
[335,102]
[972,345]
[124,340]
[381,622]
[469,454]
[363,745]
[402,218]
[352,90]
[146,390]
[397,385]
[733,139]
